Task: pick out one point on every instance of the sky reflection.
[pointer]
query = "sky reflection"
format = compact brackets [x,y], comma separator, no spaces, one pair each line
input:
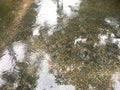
[49,12]
[46,80]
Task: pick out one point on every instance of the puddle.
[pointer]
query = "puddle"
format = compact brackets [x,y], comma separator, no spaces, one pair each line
[66,50]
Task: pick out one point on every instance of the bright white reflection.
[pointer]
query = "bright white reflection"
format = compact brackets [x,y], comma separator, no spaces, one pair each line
[112,22]
[47,15]
[115,40]
[19,49]
[116,81]
[6,64]
[70,5]
[13,53]
[36,31]
[103,39]
[47,80]
[78,40]
[49,11]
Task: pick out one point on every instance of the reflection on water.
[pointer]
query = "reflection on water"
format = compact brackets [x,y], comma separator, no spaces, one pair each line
[12,55]
[116,81]
[69,6]
[47,15]
[19,50]
[112,22]
[46,80]
[6,64]
[109,37]
[80,40]
[50,14]
[35,63]
[74,45]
